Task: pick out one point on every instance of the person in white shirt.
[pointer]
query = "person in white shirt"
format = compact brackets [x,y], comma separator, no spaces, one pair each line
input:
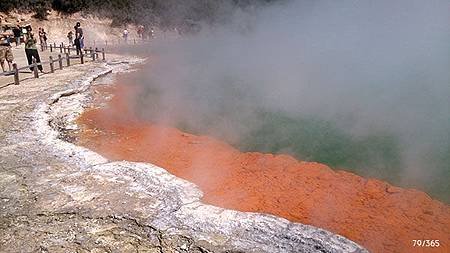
[125,35]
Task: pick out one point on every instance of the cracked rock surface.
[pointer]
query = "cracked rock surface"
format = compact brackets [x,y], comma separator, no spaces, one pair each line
[58,197]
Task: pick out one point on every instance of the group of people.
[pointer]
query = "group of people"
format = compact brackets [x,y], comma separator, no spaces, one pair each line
[17,34]
[43,38]
[144,32]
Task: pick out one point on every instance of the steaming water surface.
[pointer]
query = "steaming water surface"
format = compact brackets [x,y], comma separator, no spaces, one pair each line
[360,85]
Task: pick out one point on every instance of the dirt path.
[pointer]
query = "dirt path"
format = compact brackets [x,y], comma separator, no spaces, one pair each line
[21,60]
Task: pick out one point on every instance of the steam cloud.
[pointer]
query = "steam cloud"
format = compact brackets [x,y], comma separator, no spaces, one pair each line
[366,66]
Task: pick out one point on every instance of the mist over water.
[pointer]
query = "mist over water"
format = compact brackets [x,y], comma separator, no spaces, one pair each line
[359,85]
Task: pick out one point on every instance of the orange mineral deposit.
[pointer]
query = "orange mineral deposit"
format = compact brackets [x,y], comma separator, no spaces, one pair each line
[379,216]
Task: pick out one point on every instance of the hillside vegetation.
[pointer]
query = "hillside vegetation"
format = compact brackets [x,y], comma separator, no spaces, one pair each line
[162,12]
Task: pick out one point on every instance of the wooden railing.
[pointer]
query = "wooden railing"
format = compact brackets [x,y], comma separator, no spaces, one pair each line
[122,41]
[86,54]
[104,43]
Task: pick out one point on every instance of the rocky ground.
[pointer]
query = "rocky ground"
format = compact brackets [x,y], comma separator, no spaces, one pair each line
[58,197]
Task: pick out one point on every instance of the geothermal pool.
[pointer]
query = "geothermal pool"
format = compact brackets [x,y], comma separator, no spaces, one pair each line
[376,214]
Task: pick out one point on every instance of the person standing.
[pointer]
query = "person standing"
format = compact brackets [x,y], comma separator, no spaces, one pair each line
[152,33]
[70,37]
[125,35]
[79,38]
[140,31]
[31,50]
[44,39]
[41,38]
[17,33]
[5,51]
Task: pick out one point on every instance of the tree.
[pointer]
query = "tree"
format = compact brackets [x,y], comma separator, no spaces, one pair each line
[41,8]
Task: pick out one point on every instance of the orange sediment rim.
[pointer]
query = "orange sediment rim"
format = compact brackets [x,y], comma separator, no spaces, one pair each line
[375,214]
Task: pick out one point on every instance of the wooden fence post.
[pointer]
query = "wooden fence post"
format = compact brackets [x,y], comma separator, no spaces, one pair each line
[92,53]
[68,50]
[51,47]
[35,69]
[60,48]
[52,68]
[96,53]
[60,62]
[16,74]
[103,54]
[68,59]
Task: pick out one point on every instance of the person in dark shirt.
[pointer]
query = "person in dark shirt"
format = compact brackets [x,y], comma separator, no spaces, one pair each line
[41,36]
[17,33]
[31,49]
[79,38]
[44,39]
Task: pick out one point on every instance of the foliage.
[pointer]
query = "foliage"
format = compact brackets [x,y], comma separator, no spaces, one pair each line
[164,12]
[39,7]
